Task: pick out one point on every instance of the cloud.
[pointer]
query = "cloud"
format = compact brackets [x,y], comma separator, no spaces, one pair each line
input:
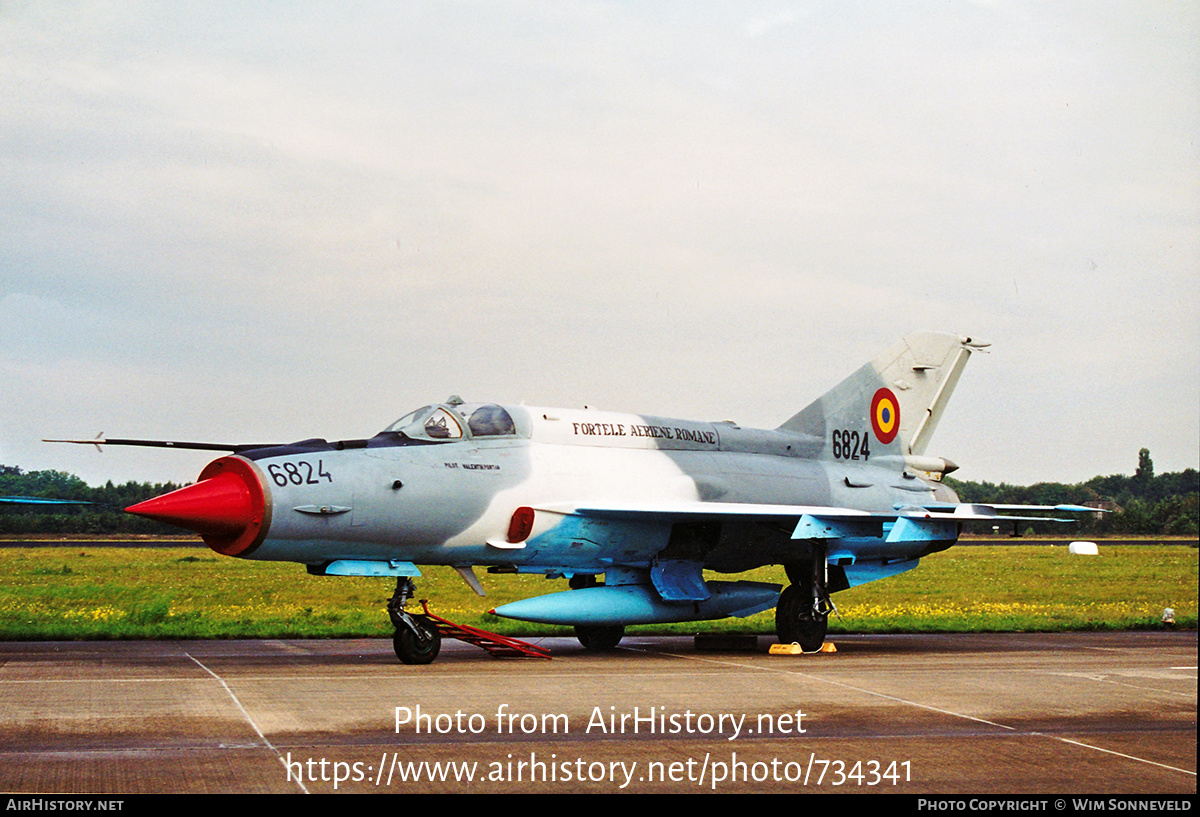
[260,222]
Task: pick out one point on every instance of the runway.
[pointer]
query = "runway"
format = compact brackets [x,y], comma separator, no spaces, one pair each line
[913,714]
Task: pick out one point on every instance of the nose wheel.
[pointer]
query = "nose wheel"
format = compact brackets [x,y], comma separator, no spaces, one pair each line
[416,640]
[418,644]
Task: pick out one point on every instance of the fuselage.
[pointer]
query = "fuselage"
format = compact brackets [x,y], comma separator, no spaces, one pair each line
[436,488]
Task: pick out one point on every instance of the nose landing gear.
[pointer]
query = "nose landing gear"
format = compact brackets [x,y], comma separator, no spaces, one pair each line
[417,640]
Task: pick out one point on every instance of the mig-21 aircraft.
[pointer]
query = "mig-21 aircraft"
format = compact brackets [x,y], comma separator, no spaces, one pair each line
[840,494]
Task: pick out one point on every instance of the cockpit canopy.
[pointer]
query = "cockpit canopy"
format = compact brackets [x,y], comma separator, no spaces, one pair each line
[455,420]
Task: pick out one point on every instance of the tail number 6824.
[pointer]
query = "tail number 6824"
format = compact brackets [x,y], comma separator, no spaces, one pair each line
[850,445]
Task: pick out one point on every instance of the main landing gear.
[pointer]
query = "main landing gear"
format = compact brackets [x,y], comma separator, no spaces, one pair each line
[600,639]
[595,638]
[416,640]
[802,614]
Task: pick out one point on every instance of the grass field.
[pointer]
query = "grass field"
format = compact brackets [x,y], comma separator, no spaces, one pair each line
[114,593]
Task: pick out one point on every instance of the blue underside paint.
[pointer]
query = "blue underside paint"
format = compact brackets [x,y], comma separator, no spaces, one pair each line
[363,567]
[639,604]
[863,572]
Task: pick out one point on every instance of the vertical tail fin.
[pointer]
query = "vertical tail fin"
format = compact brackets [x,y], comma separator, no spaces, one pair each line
[891,406]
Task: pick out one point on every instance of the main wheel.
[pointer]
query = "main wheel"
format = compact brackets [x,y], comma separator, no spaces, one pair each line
[600,639]
[796,621]
[413,649]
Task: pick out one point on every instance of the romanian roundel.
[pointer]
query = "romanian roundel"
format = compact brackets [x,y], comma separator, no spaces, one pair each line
[885,415]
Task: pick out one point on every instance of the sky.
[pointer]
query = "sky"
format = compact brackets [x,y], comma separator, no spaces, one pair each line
[263,222]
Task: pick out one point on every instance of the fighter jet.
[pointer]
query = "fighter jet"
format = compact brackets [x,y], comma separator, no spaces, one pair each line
[631,509]
[40,500]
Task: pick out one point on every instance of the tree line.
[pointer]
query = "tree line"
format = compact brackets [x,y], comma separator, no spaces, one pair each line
[104,512]
[1144,504]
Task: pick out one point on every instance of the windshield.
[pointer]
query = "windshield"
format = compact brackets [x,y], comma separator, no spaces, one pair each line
[446,423]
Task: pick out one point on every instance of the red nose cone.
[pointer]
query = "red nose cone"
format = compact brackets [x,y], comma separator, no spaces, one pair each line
[227,507]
